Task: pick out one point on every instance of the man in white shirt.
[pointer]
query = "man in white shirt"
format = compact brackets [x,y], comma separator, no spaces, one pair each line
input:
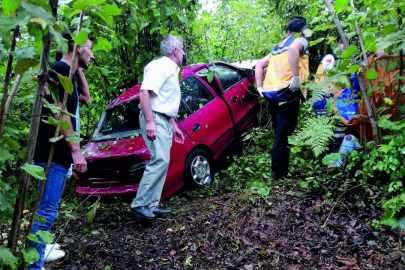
[160,99]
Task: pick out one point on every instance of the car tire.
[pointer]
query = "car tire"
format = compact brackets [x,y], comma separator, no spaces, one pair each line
[199,170]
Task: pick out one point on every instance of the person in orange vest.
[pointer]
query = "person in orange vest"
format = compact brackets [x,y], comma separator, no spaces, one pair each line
[287,66]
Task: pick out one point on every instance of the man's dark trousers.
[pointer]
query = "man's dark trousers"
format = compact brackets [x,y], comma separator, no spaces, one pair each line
[284,109]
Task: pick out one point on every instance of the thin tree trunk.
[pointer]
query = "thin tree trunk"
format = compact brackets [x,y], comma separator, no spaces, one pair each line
[48,165]
[363,51]
[399,92]
[11,96]
[7,80]
[359,75]
[32,136]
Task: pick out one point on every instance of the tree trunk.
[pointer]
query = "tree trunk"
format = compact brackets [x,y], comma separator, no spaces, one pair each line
[399,92]
[3,115]
[32,135]
[363,51]
[359,75]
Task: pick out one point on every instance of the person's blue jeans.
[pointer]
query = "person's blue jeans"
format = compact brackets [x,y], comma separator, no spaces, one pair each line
[48,207]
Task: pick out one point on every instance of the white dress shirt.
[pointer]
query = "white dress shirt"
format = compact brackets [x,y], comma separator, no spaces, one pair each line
[162,77]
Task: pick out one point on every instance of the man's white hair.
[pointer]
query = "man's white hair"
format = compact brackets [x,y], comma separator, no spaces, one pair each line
[169,43]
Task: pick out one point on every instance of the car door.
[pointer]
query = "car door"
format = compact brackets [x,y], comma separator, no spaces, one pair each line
[209,119]
[235,88]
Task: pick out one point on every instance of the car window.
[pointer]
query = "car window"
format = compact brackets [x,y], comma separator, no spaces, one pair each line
[184,111]
[121,118]
[202,73]
[194,93]
[226,76]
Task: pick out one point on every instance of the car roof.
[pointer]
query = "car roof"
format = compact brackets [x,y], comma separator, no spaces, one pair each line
[133,92]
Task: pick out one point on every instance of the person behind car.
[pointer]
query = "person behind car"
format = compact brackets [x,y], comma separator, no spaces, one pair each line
[159,101]
[66,152]
[287,66]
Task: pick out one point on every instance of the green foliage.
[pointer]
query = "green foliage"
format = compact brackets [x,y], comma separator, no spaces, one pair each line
[316,134]
[386,162]
[30,255]
[7,258]
[34,170]
[93,209]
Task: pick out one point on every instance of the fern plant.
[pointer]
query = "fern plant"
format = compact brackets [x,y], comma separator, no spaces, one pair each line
[316,133]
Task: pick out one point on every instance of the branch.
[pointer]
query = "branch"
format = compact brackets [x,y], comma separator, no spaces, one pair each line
[7,80]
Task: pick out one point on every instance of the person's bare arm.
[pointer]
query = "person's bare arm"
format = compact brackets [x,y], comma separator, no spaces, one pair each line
[83,87]
[79,163]
[294,57]
[294,52]
[144,97]
[259,70]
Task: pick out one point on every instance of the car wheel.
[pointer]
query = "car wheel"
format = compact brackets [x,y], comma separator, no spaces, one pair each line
[199,169]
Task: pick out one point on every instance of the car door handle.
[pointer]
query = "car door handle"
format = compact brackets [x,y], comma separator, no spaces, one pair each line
[234,99]
[196,127]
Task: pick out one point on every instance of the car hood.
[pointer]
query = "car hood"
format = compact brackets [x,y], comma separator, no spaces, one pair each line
[116,148]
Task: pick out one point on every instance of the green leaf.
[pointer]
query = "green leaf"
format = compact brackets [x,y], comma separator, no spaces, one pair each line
[30,255]
[8,22]
[5,155]
[55,139]
[81,38]
[37,11]
[330,159]
[352,69]
[308,33]
[66,83]
[80,5]
[388,101]
[340,4]
[56,109]
[371,74]
[95,2]
[102,44]
[40,22]
[389,220]
[107,18]
[110,10]
[53,121]
[46,236]
[25,64]
[34,170]
[90,215]
[392,66]
[25,52]
[74,139]
[9,6]
[33,238]
[210,75]
[7,258]
[264,191]
[349,52]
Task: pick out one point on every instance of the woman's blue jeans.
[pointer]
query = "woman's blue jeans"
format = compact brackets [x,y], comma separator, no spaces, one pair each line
[48,207]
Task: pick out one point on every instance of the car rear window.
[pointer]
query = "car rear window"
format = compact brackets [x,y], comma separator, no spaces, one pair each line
[119,121]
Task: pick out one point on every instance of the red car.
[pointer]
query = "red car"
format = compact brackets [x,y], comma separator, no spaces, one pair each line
[211,115]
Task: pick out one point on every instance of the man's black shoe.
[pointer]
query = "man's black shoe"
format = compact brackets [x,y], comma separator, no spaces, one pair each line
[162,212]
[142,212]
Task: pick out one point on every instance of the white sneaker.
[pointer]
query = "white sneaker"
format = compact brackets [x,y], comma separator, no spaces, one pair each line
[55,246]
[53,255]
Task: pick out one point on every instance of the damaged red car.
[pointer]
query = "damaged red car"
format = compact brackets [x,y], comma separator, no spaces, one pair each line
[218,103]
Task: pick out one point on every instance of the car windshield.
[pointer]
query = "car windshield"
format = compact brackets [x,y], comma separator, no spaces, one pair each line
[118,122]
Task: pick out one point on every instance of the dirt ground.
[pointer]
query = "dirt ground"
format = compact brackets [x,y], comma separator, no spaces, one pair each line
[236,230]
